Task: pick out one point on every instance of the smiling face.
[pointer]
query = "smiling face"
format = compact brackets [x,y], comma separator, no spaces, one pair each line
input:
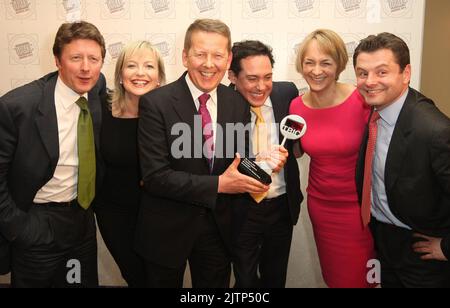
[140,73]
[254,81]
[207,60]
[79,65]
[319,68]
[379,77]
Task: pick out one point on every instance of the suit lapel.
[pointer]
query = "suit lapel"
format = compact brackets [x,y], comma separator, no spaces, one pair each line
[183,103]
[46,122]
[398,146]
[224,115]
[278,108]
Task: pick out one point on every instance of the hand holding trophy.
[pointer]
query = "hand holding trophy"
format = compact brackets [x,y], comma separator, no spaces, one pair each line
[292,127]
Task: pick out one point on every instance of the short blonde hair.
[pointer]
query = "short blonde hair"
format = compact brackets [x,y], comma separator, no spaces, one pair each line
[330,43]
[207,25]
[117,98]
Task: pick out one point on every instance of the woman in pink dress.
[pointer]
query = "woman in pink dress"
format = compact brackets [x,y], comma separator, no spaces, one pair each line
[336,116]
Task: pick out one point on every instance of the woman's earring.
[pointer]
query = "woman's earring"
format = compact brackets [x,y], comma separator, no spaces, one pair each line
[120,81]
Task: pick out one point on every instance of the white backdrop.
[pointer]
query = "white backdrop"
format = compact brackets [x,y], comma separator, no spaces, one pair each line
[28,28]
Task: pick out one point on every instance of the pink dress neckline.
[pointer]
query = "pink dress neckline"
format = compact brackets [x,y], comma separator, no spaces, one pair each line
[345,101]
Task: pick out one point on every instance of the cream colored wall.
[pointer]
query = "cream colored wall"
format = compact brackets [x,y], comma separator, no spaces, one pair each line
[435,81]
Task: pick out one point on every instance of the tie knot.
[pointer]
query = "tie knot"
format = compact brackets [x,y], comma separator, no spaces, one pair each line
[203,98]
[258,112]
[82,103]
[375,116]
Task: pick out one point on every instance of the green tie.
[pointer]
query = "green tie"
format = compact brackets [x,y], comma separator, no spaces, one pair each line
[86,155]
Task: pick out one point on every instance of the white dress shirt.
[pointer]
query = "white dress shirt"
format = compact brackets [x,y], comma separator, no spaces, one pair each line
[278,186]
[62,187]
[211,104]
[386,124]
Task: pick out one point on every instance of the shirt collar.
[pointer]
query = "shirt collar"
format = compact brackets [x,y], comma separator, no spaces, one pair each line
[67,95]
[390,113]
[195,92]
[267,104]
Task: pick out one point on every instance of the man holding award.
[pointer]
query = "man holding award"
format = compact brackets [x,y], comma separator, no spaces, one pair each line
[263,223]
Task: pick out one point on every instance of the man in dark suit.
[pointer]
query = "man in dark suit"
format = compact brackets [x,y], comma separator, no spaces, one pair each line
[186,154]
[263,224]
[45,184]
[408,192]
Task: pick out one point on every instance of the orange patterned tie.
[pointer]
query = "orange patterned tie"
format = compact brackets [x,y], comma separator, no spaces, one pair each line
[367,184]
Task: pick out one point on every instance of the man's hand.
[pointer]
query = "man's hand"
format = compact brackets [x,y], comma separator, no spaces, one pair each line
[276,157]
[431,248]
[234,182]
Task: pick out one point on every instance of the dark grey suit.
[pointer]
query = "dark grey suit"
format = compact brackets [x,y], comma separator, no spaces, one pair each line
[29,152]
[181,203]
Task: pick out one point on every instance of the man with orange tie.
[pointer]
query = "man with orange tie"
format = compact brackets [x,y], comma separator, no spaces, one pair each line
[403,172]
[263,223]
[185,213]
[49,132]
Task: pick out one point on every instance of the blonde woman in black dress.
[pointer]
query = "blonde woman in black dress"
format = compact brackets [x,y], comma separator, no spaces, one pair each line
[139,69]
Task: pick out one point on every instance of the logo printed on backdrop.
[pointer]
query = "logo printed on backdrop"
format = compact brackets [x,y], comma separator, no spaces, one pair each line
[114,44]
[350,8]
[23,48]
[159,9]
[302,90]
[293,43]
[71,10]
[165,42]
[205,8]
[304,8]
[301,84]
[114,9]
[20,9]
[398,8]
[257,9]
[351,41]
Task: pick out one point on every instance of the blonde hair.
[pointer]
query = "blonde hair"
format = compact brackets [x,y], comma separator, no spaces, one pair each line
[117,98]
[330,43]
[207,25]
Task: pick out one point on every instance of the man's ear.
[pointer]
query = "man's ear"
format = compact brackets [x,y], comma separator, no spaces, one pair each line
[185,58]
[407,74]
[58,65]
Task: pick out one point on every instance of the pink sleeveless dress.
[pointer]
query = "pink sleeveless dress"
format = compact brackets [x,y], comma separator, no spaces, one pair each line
[332,140]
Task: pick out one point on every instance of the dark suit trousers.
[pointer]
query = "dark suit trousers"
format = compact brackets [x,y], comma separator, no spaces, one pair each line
[209,261]
[118,230]
[263,245]
[66,239]
[401,267]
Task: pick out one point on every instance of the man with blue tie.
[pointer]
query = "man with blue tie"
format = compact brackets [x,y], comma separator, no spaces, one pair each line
[49,167]
[185,213]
